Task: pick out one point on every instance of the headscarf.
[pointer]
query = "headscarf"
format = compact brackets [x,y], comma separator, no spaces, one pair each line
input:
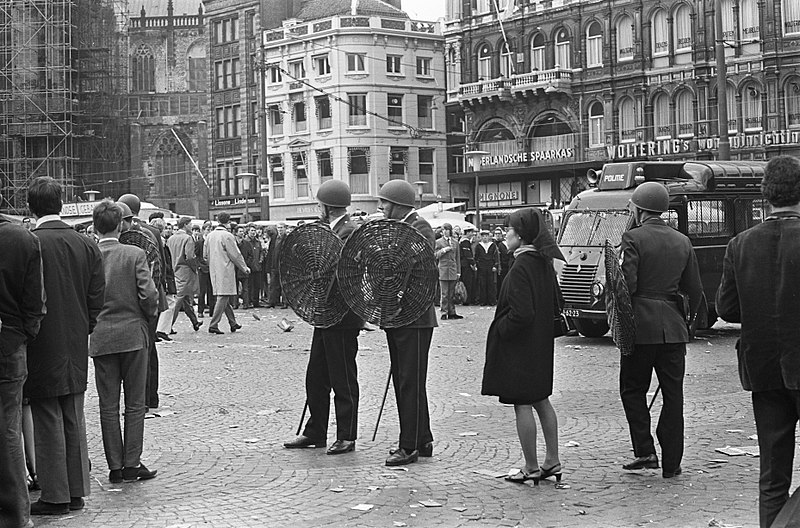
[530,226]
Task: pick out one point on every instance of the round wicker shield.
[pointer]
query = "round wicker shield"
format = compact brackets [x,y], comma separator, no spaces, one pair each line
[134,237]
[387,273]
[307,265]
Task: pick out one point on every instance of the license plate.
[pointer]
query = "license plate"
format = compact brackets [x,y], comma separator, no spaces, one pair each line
[571,313]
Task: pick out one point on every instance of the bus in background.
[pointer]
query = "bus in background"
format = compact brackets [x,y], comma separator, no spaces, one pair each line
[710,202]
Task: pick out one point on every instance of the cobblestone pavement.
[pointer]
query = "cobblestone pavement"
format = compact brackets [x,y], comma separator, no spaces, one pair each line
[228,403]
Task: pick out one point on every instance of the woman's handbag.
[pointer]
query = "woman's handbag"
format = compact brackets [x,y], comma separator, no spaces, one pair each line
[560,323]
[460,293]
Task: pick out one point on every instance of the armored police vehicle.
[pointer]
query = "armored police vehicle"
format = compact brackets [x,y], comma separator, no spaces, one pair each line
[710,202]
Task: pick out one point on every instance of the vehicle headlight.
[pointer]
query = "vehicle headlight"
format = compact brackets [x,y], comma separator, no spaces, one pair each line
[597,289]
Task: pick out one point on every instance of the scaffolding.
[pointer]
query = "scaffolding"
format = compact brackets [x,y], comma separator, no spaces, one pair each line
[62,75]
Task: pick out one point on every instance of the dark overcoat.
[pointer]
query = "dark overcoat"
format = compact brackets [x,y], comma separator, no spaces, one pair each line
[74,283]
[519,347]
[343,229]
[427,319]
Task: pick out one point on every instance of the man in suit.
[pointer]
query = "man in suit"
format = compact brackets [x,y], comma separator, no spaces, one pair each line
[760,289]
[206,298]
[184,266]
[448,260]
[657,263]
[409,345]
[21,311]
[487,260]
[242,279]
[256,259]
[58,359]
[468,268]
[275,278]
[332,361]
[504,256]
[223,258]
[119,345]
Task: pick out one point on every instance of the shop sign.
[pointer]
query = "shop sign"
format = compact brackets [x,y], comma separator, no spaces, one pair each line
[648,149]
[500,196]
[762,139]
[528,156]
[307,209]
[222,202]
[78,209]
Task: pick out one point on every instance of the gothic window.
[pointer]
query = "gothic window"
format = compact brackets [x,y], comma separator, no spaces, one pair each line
[173,169]
[197,68]
[143,70]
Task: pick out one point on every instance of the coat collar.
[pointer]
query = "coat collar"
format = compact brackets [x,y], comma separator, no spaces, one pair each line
[52,224]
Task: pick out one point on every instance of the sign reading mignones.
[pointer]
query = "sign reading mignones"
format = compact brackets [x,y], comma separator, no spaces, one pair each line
[526,157]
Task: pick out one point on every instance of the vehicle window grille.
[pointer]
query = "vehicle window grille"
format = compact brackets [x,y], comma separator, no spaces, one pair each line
[750,212]
[708,218]
[593,228]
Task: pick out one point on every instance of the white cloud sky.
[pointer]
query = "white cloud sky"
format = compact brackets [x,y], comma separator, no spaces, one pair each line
[424,9]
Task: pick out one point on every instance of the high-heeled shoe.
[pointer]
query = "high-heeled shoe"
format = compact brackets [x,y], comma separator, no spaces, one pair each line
[523,476]
[552,471]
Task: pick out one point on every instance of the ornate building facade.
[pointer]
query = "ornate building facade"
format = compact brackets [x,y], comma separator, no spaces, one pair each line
[565,86]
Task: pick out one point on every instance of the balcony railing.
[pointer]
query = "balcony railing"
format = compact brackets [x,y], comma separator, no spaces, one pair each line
[555,80]
[357,22]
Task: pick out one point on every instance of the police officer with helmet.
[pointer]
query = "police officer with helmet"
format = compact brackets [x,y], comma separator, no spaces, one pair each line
[657,262]
[332,360]
[409,345]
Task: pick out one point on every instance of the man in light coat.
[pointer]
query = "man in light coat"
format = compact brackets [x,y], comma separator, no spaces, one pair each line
[184,264]
[448,260]
[223,258]
[119,345]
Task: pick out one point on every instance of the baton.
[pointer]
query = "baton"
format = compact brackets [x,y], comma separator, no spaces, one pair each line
[380,412]
[302,417]
[654,397]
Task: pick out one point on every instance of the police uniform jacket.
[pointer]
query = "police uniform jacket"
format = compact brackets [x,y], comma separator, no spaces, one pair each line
[658,262]
[343,228]
[760,288]
[427,319]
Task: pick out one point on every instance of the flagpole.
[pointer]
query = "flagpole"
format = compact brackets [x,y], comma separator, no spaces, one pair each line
[503,31]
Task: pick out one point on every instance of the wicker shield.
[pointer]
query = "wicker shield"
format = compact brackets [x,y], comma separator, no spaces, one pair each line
[388,273]
[140,239]
[618,303]
[307,265]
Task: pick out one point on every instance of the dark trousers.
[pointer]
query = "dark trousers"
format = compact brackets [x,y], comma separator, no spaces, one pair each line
[487,293]
[243,284]
[669,362]
[255,288]
[128,369]
[223,306]
[274,288]
[14,502]
[151,391]
[468,278]
[408,352]
[776,413]
[62,456]
[332,365]
[206,298]
[184,303]
[265,285]
[448,288]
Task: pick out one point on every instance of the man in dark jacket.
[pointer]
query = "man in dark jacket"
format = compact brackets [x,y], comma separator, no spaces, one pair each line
[58,358]
[256,257]
[468,268]
[658,262]
[21,311]
[274,277]
[206,297]
[760,288]
[332,361]
[487,259]
[242,279]
[409,345]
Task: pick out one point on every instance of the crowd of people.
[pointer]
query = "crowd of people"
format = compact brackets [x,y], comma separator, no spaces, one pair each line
[63,299]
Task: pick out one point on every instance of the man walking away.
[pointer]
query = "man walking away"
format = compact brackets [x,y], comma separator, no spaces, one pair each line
[223,258]
[58,359]
[206,298]
[184,265]
[21,311]
[760,288]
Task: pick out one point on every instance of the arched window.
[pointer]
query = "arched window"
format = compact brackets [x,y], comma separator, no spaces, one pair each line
[143,70]
[748,11]
[661,120]
[627,120]
[594,45]
[792,92]
[728,27]
[507,66]
[537,52]
[563,51]
[684,113]
[197,68]
[683,29]
[791,17]
[624,38]
[485,63]
[751,107]
[733,109]
[660,32]
[596,128]
[172,168]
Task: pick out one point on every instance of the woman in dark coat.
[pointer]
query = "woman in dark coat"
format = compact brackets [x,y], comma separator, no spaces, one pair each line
[519,347]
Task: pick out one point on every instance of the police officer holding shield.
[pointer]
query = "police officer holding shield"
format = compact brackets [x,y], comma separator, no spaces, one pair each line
[657,262]
[332,361]
[409,345]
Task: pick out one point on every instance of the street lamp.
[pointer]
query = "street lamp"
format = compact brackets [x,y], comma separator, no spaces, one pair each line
[420,190]
[246,178]
[474,162]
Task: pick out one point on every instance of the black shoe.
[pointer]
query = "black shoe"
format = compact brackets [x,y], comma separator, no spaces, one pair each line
[445,316]
[49,508]
[341,446]
[456,316]
[215,330]
[401,457]
[163,337]
[670,474]
[235,327]
[132,474]
[76,503]
[643,462]
[303,441]
[115,476]
[172,332]
[197,325]
[426,450]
